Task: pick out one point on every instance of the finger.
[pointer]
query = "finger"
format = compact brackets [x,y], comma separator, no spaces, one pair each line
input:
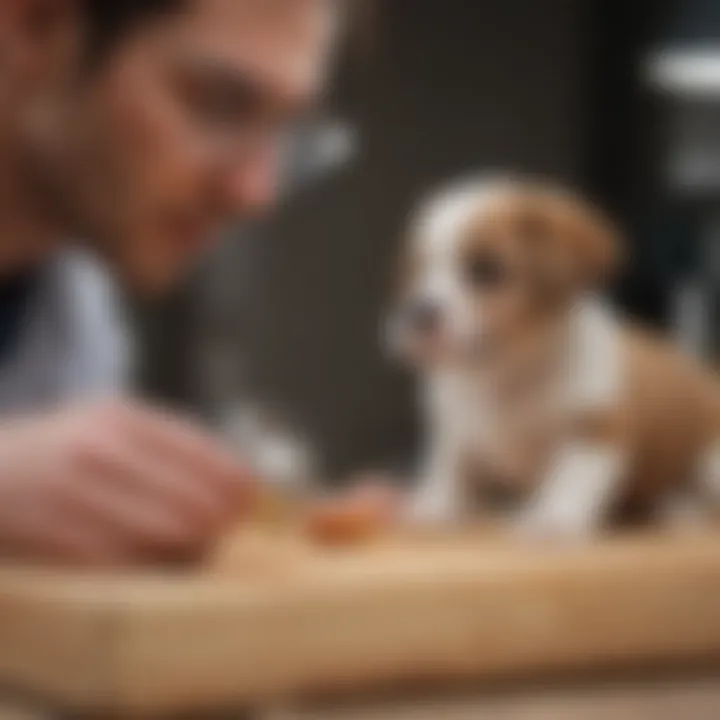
[204,459]
[73,545]
[155,481]
[129,521]
[60,541]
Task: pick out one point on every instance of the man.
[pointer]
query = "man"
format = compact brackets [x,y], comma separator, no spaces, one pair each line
[134,130]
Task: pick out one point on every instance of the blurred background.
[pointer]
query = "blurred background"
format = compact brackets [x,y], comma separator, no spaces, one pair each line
[619,99]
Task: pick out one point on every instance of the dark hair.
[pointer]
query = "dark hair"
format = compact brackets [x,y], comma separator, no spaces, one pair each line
[107,21]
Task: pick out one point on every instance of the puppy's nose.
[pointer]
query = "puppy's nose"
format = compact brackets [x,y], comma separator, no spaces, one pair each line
[424,316]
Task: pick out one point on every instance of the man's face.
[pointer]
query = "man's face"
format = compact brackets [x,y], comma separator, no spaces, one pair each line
[177,133]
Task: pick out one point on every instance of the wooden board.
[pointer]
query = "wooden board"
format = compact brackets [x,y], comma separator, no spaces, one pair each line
[424,611]
[666,698]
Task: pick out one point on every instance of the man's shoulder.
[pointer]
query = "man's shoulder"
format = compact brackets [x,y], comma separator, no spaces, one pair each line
[91,315]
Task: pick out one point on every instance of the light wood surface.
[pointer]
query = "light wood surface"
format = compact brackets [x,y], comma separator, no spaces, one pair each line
[680,699]
[276,622]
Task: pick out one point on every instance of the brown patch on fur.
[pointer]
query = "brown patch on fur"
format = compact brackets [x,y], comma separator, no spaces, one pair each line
[672,404]
[579,238]
[555,238]
[600,427]
[668,417]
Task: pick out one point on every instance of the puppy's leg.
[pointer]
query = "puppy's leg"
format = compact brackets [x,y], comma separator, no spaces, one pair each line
[577,493]
[686,510]
[583,481]
[439,496]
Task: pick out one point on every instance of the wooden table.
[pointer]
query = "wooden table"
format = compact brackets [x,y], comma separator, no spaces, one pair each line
[659,699]
[665,699]
[268,635]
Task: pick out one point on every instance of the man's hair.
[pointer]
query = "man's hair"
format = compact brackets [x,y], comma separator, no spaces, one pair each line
[108,21]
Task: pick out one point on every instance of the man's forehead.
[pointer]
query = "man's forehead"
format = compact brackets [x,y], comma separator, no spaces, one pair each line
[284,45]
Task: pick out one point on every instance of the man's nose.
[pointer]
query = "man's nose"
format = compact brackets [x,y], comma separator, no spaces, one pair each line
[250,185]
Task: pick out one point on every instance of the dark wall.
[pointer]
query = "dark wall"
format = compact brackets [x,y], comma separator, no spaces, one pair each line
[627,146]
[455,86]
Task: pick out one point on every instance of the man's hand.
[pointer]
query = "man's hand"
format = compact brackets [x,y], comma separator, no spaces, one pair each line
[114,483]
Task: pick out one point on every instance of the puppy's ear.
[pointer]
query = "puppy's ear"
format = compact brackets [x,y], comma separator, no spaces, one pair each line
[595,244]
[577,248]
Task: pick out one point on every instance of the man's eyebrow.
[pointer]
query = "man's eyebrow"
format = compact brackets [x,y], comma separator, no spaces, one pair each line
[240,89]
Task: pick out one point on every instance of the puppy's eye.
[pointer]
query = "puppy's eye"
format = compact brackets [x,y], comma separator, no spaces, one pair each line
[485,271]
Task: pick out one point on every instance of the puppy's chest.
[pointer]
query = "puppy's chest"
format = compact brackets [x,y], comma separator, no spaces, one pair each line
[504,447]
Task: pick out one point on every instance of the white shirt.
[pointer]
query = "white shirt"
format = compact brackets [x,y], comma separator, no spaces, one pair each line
[73,344]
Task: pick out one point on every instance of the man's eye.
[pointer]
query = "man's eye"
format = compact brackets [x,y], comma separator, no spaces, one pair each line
[219,102]
[485,272]
[217,99]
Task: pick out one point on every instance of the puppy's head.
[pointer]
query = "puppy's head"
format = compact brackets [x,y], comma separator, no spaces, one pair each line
[488,262]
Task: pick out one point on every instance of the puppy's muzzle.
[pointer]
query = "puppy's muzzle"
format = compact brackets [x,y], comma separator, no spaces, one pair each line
[424,318]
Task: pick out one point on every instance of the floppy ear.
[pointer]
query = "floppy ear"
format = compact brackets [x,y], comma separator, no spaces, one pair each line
[596,246]
[577,249]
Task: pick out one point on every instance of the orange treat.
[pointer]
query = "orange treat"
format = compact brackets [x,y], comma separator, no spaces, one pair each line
[347,521]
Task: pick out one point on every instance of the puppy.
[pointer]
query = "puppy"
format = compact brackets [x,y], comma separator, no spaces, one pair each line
[539,400]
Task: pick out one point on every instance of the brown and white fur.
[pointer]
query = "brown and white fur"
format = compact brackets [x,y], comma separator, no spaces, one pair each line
[534,391]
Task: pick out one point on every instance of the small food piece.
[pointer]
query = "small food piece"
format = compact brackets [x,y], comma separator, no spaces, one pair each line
[351,520]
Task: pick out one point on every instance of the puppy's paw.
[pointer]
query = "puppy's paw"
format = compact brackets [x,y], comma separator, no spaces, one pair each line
[428,511]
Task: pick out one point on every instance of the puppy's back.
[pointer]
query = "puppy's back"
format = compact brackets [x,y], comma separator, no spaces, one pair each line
[672,411]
